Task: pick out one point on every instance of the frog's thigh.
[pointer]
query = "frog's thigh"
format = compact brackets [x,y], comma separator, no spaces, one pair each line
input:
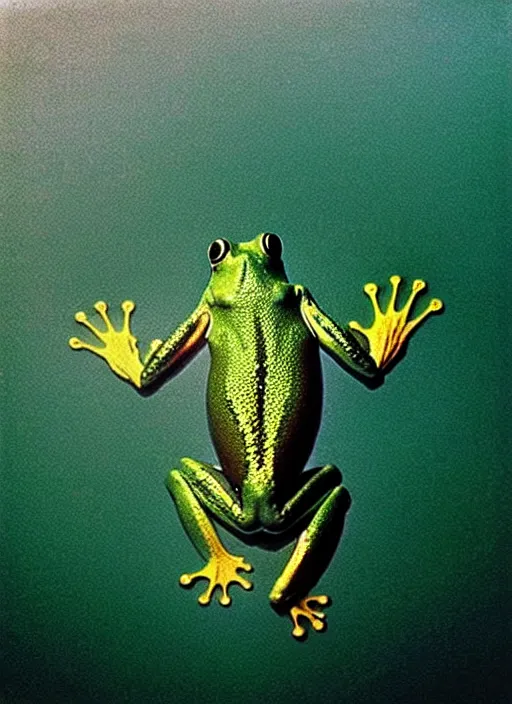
[316,484]
[213,491]
[313,551]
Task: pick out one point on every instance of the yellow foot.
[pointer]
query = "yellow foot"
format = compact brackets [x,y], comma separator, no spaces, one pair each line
[305,610]
[220,571]
[119,346]
[392,328]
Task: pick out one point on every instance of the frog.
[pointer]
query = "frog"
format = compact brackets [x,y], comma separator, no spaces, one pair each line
[264,404]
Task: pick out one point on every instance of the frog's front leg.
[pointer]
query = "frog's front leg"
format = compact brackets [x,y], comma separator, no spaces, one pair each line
[195,487]
[368,351]
[328,501]
[120,350]
[391,329]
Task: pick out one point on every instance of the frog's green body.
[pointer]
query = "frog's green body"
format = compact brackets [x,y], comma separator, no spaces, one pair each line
[263,410]
[264,405]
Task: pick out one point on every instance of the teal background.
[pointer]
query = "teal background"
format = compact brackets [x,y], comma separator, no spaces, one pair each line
[372,137]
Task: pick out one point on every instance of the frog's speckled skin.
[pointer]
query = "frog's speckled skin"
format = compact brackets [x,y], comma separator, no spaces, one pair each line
[264,405]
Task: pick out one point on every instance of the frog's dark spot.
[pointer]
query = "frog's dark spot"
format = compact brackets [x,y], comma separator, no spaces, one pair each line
[243,274]
[261,376]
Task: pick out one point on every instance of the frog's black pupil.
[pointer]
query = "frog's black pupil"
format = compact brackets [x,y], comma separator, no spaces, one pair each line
[272,245]
[217,251]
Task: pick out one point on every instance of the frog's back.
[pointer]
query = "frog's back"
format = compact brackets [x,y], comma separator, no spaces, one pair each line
[264,389]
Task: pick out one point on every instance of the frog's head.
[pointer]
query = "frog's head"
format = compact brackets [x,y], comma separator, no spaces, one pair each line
[245,267]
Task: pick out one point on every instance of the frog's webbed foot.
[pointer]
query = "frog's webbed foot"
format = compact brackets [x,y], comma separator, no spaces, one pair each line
[391,328]
[119,348]
[306,608]
[220,571]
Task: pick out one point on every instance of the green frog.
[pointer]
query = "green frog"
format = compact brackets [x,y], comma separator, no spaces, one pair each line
[264,402]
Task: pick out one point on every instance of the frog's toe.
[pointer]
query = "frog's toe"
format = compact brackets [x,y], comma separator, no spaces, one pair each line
[81,317]
[75,343]
[307,608]
[221,571]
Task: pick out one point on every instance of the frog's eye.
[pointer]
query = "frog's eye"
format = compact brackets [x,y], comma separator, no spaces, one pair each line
[217,251]
[271,245]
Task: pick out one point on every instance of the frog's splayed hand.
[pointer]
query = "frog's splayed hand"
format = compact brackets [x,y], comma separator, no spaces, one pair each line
[392,328]
[119,349]
[304,608]
[220,571]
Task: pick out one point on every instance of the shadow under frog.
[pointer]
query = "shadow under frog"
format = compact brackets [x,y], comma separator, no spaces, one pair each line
[264,403]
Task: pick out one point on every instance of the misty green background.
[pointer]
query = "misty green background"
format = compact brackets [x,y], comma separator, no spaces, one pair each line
[372,137]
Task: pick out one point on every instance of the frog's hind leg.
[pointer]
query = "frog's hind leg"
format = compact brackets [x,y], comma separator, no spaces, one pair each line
[193,488]
[312,553]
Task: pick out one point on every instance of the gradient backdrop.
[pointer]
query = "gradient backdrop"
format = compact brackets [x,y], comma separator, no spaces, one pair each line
[371,135]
